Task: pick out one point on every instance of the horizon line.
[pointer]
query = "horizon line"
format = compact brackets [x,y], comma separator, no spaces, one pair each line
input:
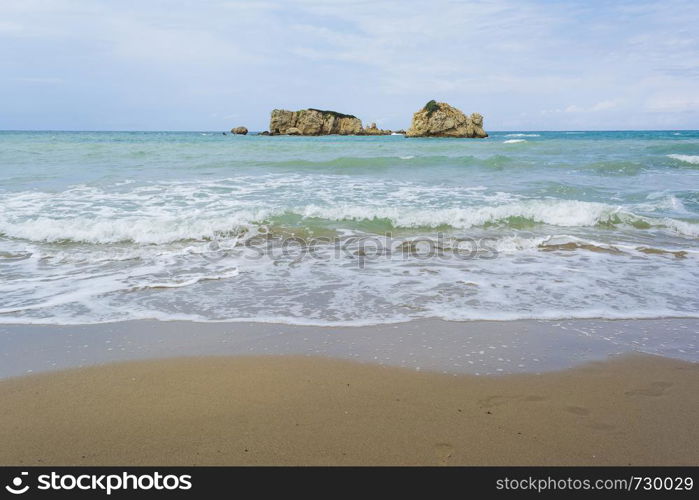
[227,131]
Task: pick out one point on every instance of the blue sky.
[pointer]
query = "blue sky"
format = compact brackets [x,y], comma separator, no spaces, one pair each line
[211,65]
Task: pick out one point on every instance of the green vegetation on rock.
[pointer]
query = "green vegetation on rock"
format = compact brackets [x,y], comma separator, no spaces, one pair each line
[431,107]
[334,113]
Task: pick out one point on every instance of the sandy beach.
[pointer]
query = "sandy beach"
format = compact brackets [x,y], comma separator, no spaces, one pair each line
[291,410]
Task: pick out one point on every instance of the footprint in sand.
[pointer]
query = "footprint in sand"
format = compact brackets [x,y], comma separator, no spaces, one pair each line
[655,389]
[577,410]
[534,398]
[600,426]
[499,400]
[444,452]
[584,412]
[492,401]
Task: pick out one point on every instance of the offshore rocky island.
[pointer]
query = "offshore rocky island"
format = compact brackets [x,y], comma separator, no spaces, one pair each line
[435,119]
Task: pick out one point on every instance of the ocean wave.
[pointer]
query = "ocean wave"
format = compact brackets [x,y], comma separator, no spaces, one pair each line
[659,200]
[680,227]
[693,159]
[553,212]
[372,163]
[513,141]
[13,256]
[207,225]
[142,230]
[567,242]
[563,213]
[615,167]
[186,282]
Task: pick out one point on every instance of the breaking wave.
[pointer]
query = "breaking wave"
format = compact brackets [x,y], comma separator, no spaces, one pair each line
[693,159]
[159,228]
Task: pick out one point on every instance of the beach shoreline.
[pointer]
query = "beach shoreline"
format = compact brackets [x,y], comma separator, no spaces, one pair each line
[292,410]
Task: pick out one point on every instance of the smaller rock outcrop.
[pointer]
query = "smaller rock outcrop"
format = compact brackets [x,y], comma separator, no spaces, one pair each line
[374,130]
[439,119]
[313,122]
[239,131]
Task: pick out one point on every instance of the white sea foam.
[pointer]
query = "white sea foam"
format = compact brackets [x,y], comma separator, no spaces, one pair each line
[174,249]
[682,227]
[513,141]
[693,159]
[566,213]
[144,230]
[189,281]
[168,213]
[535,285]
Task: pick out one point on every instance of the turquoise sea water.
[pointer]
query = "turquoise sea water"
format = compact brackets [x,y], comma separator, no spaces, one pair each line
[107,226]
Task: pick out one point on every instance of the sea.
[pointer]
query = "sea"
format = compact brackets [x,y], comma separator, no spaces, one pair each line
[99,227]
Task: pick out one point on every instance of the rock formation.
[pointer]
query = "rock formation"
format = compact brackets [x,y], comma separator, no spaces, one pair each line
[239,131]
[313,122]
[439,119]
[373,130]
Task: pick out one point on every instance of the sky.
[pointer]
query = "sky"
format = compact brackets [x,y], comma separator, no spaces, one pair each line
[216,64]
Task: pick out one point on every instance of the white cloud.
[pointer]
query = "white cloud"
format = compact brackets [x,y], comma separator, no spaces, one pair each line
[673,105]
[604,105]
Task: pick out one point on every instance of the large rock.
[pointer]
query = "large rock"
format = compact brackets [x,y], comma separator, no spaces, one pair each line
[439,119]
[239,130]
[313,122]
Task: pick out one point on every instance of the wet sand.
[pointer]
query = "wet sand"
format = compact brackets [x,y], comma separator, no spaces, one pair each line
[468,347]
[637,409]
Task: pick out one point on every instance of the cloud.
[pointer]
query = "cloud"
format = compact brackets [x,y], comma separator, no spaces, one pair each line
[574,108]
[604,105]
[673,105]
